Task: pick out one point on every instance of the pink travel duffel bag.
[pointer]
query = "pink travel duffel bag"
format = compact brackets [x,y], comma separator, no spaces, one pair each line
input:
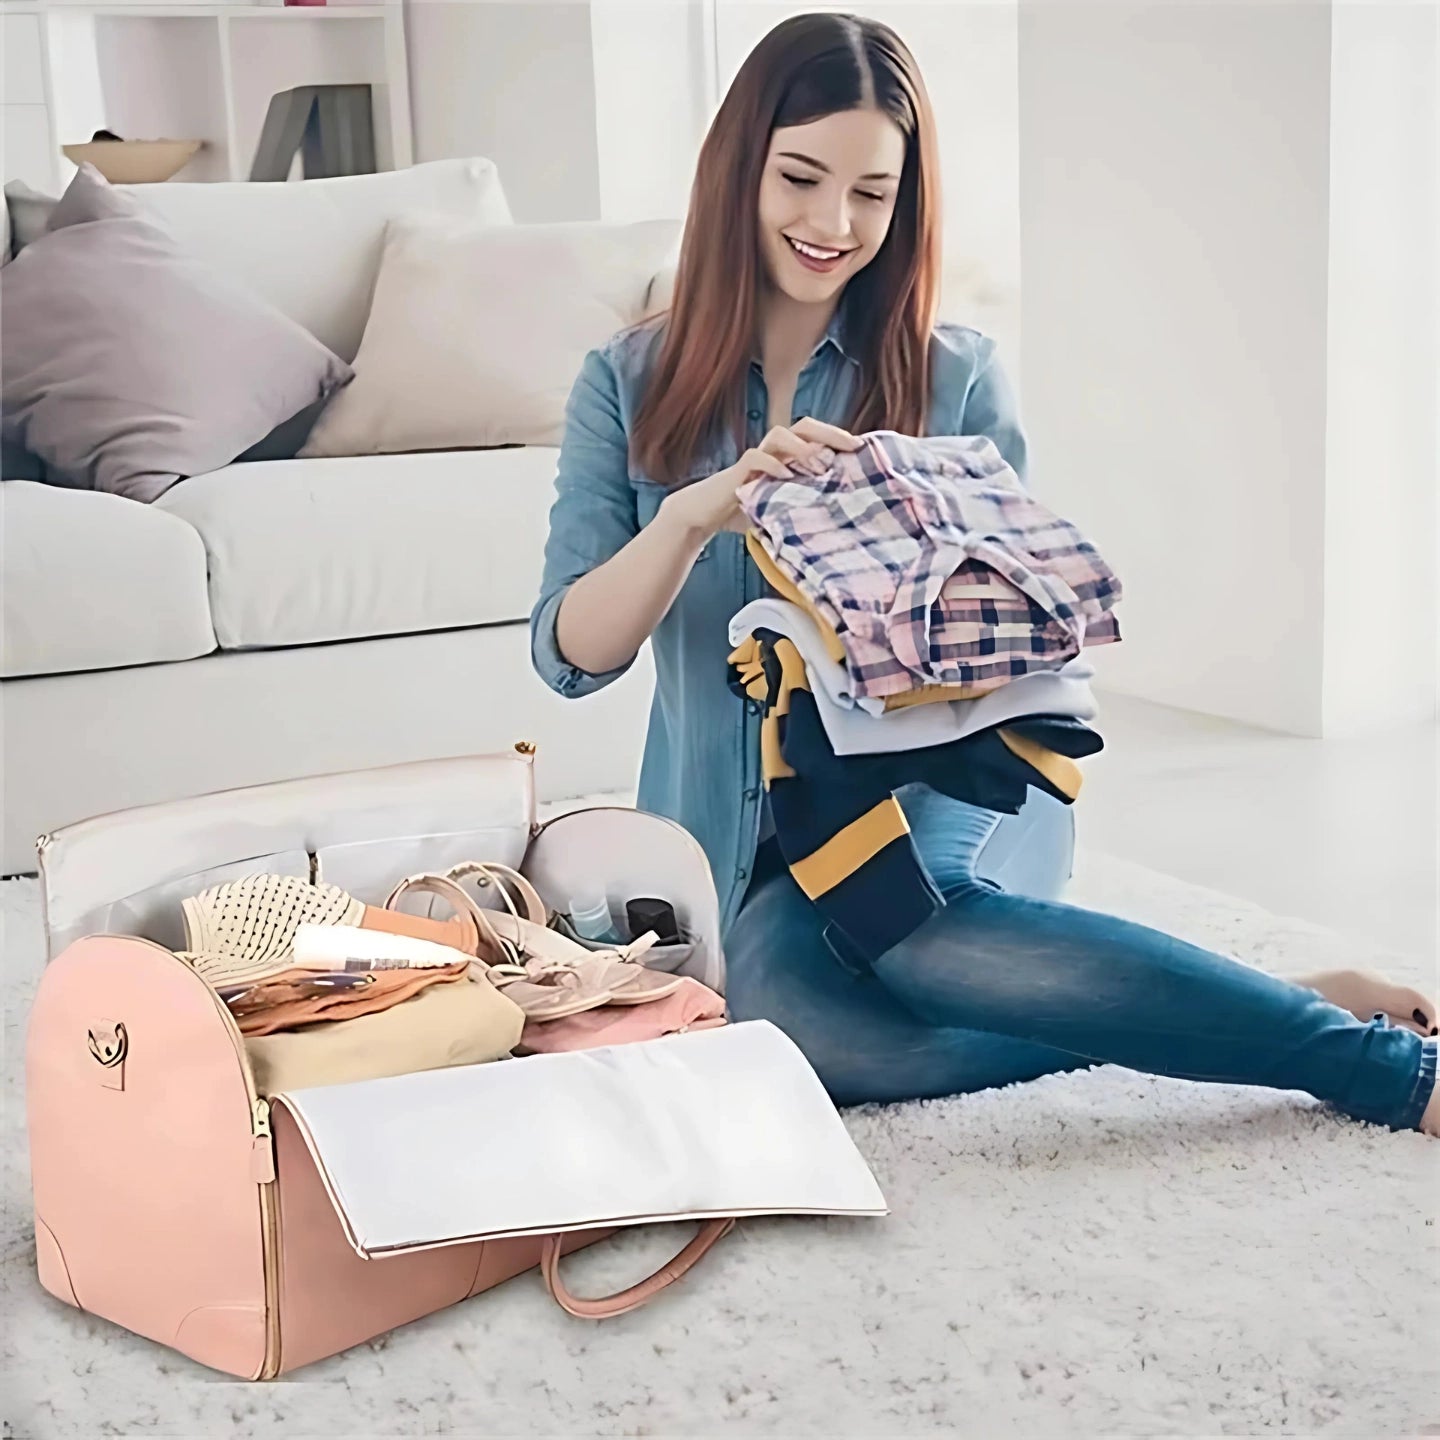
[257,1233]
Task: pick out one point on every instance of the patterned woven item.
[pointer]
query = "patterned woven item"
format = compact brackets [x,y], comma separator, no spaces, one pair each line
[243,930]
[933,565]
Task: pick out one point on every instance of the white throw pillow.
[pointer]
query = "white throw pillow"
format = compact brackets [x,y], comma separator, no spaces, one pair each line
[312,247]
[476,334]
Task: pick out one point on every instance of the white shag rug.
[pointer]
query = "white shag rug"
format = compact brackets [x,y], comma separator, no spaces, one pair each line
[1091,1254]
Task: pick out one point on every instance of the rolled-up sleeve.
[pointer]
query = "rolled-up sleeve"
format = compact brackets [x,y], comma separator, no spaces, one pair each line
[593,517]
[989,409]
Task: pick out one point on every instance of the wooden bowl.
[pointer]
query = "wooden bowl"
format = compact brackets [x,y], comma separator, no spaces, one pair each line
[133,162]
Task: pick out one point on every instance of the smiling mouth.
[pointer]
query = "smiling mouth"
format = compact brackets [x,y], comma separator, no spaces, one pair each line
[818,257]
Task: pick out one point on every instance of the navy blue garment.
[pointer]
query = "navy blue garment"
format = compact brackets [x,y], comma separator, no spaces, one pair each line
[838,823]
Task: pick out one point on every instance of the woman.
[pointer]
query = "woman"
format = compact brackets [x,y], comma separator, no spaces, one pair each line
[807,287]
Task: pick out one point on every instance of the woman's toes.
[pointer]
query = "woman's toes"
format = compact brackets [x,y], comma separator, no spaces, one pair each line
[1408,1007]
[1365,994]
[1421,1017]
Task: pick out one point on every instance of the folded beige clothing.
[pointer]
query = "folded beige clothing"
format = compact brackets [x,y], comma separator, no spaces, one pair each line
[466,1023]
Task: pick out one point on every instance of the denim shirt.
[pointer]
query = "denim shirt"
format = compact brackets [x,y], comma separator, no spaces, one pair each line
[702,750]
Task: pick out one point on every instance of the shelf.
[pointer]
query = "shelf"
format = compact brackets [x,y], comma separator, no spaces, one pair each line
[207,71]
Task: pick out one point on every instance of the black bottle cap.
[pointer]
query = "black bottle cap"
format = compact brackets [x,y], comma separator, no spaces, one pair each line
[645,913]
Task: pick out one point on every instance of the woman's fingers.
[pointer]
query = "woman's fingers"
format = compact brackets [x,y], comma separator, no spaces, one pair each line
[788,446]
[785,443]
[820,433]
[762,462]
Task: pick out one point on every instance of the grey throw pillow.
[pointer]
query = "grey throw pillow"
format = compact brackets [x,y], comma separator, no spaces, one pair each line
[127,365]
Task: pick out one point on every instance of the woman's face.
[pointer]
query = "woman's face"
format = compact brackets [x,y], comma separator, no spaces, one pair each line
[826,197]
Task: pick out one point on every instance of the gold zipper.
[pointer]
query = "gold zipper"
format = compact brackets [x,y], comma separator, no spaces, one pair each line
[263,1149]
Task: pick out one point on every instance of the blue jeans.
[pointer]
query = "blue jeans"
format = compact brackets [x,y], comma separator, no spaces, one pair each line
[1006,984]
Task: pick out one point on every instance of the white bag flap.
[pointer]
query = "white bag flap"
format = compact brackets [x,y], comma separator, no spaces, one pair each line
[730,1121]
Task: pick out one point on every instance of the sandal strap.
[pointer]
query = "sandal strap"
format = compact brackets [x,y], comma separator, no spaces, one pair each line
[507,974]
[535,909]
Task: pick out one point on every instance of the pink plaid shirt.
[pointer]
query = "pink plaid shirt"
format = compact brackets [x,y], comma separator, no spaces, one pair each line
[934,565]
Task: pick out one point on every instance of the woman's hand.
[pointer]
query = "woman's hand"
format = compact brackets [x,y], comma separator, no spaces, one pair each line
[709,506]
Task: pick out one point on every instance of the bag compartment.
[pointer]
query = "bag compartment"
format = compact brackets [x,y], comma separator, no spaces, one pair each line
[643,854]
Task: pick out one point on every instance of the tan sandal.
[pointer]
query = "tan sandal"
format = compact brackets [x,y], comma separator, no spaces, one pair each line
[620,969]
[542,990]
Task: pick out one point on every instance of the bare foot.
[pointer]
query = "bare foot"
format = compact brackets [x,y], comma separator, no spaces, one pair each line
[1365,994]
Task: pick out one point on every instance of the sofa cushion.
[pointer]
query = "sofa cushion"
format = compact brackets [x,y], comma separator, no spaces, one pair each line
[307,551]
[477,332]
[93,582]
[129,363]
[312,247]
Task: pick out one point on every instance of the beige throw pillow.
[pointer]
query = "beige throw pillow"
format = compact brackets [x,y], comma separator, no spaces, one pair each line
[476,333]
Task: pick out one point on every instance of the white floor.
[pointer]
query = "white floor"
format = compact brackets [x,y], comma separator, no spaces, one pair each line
[1340,832]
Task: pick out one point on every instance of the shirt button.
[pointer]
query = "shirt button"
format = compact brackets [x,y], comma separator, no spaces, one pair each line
[741,873]
[754,414]
[753,793]
[753,706]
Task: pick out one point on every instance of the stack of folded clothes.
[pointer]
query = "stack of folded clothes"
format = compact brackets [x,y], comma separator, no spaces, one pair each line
[926,625]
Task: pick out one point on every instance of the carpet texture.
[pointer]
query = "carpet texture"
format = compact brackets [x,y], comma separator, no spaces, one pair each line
[1091,1254]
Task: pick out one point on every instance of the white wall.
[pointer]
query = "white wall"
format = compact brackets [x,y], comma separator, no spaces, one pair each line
[511,80]
[1383,431]
[1229,249]
[1174,169]
[651,104]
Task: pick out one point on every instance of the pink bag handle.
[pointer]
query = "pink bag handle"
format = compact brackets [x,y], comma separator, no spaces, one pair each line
[604,1307]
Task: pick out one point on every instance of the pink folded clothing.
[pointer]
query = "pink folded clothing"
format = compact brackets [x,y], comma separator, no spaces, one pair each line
[692,1007]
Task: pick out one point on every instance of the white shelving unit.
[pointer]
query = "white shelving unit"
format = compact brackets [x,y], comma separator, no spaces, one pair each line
[187,71]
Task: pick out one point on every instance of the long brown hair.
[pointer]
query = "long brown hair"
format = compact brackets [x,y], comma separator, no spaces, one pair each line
[804,69]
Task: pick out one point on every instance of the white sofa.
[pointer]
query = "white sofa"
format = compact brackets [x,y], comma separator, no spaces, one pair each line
[282,617]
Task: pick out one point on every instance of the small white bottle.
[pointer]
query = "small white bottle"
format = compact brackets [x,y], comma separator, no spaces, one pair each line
[590,915]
